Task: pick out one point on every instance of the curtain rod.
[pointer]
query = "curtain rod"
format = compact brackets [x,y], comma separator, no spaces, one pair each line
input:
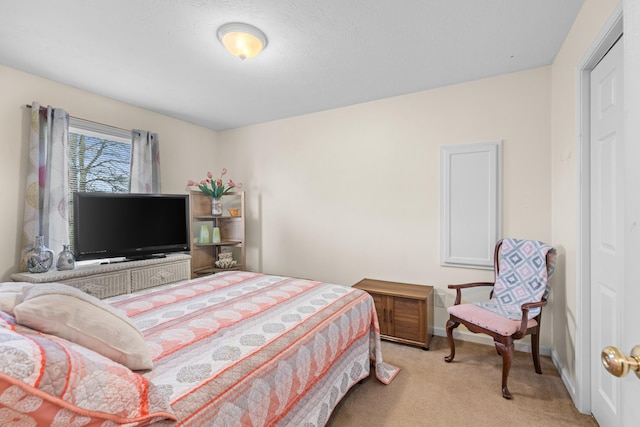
[90,121]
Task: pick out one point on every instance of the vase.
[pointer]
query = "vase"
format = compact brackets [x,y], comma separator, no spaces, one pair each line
[204,234]
[39,258]
[66,260]
[216,206]
[215,238]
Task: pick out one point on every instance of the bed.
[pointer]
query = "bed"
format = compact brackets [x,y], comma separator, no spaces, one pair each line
[235,348]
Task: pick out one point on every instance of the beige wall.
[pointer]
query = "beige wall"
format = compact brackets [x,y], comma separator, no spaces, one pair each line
[354,192]
[184,148]
[564,169]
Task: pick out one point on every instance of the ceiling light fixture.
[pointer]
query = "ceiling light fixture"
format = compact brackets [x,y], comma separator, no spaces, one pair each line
[242,40]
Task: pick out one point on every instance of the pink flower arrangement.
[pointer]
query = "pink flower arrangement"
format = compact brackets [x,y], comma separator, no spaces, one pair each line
[215,188]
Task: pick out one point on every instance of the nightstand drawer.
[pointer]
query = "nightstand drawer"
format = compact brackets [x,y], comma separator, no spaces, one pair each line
[150,277]
[104,285]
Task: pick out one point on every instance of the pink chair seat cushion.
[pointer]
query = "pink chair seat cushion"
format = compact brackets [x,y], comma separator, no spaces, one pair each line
[487,319]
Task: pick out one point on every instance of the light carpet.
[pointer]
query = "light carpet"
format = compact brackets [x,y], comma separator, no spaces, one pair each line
[430,392]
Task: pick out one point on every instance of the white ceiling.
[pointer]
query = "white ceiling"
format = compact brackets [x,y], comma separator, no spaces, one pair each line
[163,55]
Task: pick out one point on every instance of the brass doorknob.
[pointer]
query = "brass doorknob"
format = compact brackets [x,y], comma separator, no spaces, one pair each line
[618,364]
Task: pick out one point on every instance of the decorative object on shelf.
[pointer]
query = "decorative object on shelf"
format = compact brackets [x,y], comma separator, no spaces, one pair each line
[216,207]
[216,189]
[204,234]
[66,259]
[215,238]
[225,260]
[234,211]
[39,258]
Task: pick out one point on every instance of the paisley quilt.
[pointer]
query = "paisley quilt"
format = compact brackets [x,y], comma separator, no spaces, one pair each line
[246,349]
[49,381]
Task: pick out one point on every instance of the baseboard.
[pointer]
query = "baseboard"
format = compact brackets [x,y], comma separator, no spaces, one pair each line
[485,339]
[566,379]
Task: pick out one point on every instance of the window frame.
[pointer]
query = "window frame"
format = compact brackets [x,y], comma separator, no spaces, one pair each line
[95,130]
[99,130]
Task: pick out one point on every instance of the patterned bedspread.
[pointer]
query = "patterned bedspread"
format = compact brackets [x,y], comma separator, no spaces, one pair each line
[241,348]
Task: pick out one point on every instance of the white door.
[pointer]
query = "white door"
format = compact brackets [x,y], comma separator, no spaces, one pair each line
[607,230]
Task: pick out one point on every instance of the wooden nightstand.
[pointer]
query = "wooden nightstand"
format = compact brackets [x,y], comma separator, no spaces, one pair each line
[405,312]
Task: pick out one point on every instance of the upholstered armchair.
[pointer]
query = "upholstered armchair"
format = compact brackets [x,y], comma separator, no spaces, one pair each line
[522,271]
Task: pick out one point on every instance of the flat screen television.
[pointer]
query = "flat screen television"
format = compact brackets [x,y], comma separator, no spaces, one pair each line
[130,226]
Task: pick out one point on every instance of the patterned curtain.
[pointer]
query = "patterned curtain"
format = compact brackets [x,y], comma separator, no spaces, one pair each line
[145,162]
[46,202]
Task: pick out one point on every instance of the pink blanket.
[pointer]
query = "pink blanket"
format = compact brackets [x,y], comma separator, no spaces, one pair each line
[240,348]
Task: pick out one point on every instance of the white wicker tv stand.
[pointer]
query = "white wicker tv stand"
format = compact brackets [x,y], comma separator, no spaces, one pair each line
[107,280]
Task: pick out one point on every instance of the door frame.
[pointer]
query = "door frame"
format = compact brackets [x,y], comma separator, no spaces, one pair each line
[608,35]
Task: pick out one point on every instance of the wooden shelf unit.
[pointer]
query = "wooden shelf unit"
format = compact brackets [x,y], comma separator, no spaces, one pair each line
[232,232]
[405,311]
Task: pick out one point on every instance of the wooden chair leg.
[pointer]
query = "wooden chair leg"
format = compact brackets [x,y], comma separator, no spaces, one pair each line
[451,325]
[535,351]
[507,356]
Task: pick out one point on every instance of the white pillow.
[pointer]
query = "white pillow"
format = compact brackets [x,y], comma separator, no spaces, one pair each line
[69,313]
[11,294]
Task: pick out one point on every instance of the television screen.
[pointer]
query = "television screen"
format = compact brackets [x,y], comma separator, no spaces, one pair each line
[113,225]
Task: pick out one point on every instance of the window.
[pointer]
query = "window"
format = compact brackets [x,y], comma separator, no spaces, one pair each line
[99,160]
[99,157]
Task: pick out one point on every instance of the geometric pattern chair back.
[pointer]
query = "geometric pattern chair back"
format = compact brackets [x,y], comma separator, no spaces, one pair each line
[525,268]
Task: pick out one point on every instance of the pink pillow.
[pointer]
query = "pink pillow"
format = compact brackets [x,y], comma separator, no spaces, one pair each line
[46,380]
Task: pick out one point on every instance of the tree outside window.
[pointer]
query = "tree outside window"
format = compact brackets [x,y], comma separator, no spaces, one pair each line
[99,160]
[98,164]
